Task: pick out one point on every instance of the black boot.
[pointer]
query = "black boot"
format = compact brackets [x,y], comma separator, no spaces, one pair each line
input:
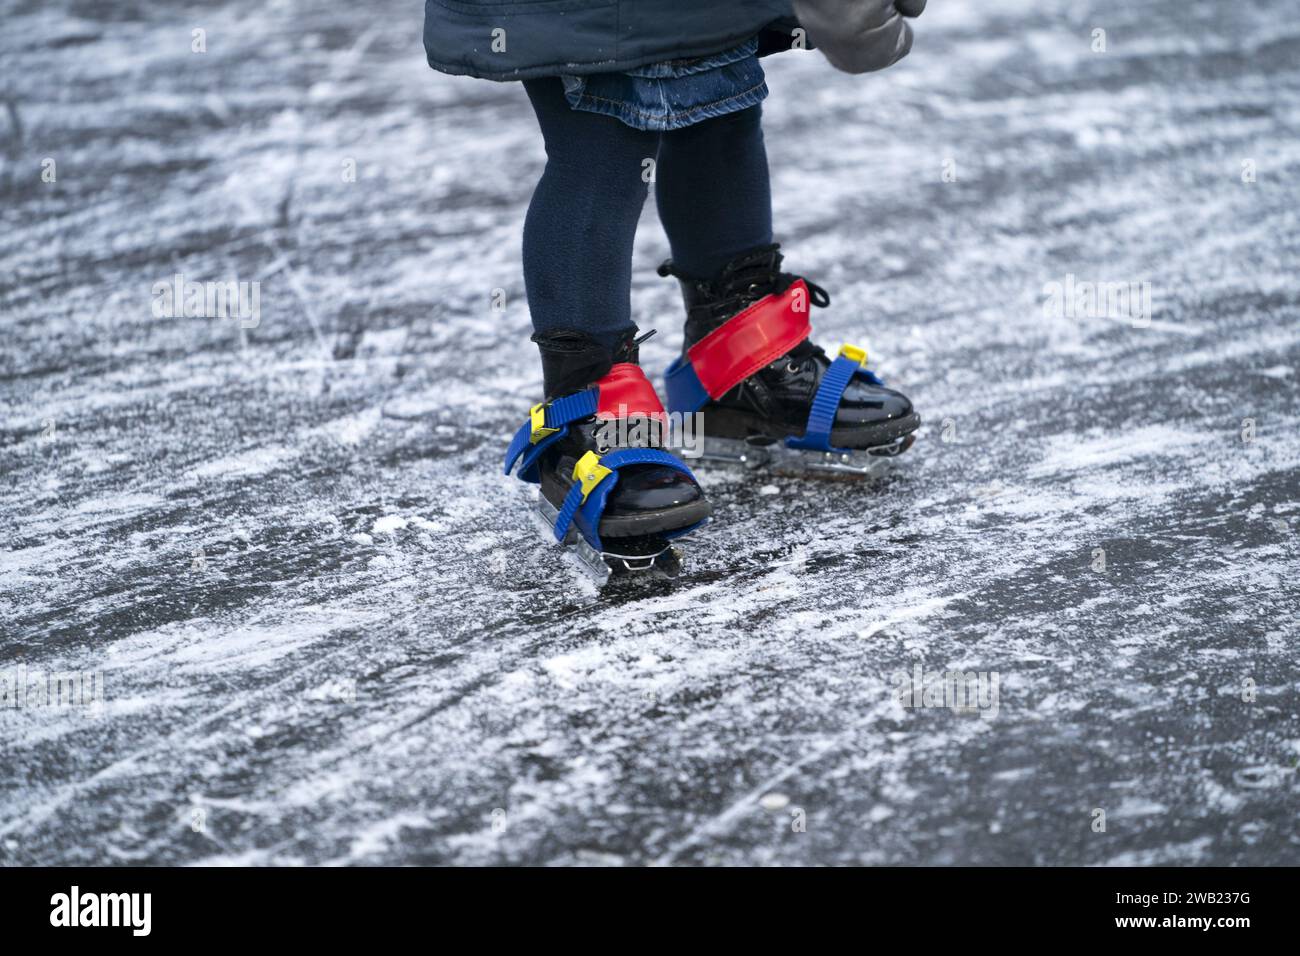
[583,378]
[775,402]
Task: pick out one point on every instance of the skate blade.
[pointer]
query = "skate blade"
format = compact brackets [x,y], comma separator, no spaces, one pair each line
[794,462]
[646,556]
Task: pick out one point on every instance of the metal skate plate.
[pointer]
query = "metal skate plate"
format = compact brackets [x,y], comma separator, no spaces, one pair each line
[649,555]
[780,459]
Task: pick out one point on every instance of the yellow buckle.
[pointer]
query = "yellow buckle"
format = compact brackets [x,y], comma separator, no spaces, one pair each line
[590,472]
[538,414]
[856,354]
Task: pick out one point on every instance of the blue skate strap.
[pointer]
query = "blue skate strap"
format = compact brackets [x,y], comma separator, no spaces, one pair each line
[685,392]
[587,513]
[821,417]
[558,415]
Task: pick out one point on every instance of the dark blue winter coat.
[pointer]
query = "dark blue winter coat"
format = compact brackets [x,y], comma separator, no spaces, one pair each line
[520,39]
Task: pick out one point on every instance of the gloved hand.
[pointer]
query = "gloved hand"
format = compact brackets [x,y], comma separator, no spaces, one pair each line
[859,36]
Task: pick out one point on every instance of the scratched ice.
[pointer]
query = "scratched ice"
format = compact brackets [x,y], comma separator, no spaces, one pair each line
[325,629]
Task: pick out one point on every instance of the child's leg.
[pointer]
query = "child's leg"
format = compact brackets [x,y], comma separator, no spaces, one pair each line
[712,190]
[582,219]
[578,272]
[714,200]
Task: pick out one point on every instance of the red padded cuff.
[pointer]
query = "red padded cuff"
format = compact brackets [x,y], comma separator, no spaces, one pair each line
[625,392]
[751,339]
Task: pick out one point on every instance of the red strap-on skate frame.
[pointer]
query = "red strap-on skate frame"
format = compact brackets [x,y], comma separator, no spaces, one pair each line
[751,339]
[626,392]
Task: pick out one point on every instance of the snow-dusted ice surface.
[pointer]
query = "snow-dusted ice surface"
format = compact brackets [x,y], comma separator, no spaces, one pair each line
[325,630]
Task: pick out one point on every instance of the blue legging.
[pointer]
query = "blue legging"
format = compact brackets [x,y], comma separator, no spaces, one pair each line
[711,188]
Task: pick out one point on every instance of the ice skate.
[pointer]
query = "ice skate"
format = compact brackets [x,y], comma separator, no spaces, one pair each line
[770,398]
[607,490]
